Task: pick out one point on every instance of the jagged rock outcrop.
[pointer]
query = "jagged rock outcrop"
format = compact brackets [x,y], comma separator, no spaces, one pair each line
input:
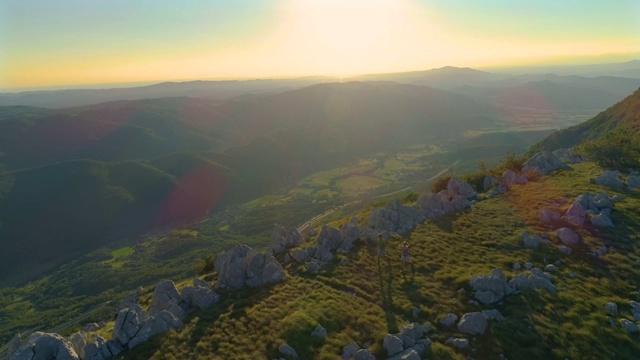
[433,206]
[45,346]
[349,351]
[575,215]
[394,218]
[408,344]
[448,320]
[363,354]
[456,187]
[488,183]
[532,241]
[166,297]
[542,163]
[98,348]
[610,179]
[78,342]
[510,178]
[350,233]
[157,324]
[490,289]
[241,266]
[633,182]
[602,220]
[199,296]
[568,237]
[14,345]
[566,156]
[281,239]
[130,299]
[327,242]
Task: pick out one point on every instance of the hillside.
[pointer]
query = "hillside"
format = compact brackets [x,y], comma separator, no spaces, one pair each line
[579,308]
[624,116]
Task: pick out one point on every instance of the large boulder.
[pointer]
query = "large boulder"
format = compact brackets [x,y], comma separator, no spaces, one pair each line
[158,324]
[167,297]
[509,178]
[542,163]
[490,289]
[129,299]
[98,348]
[14,345]
[281,239]
[394,218]
[488,183]
[448,320]
[575,214]
[287,350]
[128,322]
[455,187]
[327,242]
[199,296]
[232,266]
[566,156]
[548,216]
[537,279]
[610,179]
[301,255]
[78,341]
[272,273]
[350,233]
[568,237]
[602,220]
[45,346]
[474,323]
[532,241]
[392,344]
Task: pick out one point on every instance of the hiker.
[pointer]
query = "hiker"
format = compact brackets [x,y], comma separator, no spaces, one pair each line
[405,252]
[382,246]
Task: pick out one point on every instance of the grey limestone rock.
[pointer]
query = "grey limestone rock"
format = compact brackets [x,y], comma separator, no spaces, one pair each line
[489,182]
[635,309]
[319,331]
[231,267]
[449,320]
[14,345]
[157,324]
[565,250]
[455,187]
[392,344]
[167,297]
[363,354]
[490,289]
[493,314]
[629,326]
[610,179]
[287,350]
[602,220]
[533,241]
[473,323]
[128,322]
[328,241]
[543,163]
[568,237]
[394,218]
[633,182]
[349,351]
[510,178]
[45,346]
[199,296]
[548,216]
[458,343]
[611,308]
[566,156]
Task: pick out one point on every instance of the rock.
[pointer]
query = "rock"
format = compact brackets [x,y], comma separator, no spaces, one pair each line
[602,221]
[601,251]
[539,281]
[551,268]
[200,295]
[455,187]
[433,206]
[287,350]
[635,309]
[415,331]
[313,267]
[493,314]
[548,216]
[300,255]
[272,273]
[14,345]
[449,320]
[319,331]
[349,351]
[328,241]
[542,163]
[575,214]
[394,218]
[128,322]
[498,190]
[474,323]
[566,156]
[408,354]
[158,324]
[232,266]
[492,288]
[528,265]
[458,343]
[573,275]
[533,241]
[78,342]
[415,312]
[510,178]
[629,326]
[568,237]
[603,200]
[612,322]
[488,183]
[129,299]
[45,346]
[99,349]
[610,179]
[611,308]
[633,182]
[565,250]
[392,344]
[166,297]
[281,239]
[350,233]
[363,354]
[516,266]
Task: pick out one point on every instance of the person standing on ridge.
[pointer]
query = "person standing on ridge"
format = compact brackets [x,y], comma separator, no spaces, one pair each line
[382,246]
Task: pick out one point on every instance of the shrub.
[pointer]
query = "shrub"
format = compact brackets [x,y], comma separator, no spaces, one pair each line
[207,265]
[410,197]
[440,184]
[619,150]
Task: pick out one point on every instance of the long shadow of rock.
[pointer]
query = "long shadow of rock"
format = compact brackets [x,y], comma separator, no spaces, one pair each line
[387,298]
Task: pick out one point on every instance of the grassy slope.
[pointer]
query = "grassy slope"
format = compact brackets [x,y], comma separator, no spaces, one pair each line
[363,299]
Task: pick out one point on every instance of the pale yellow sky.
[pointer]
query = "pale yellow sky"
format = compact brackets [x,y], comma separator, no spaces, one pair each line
[75,42]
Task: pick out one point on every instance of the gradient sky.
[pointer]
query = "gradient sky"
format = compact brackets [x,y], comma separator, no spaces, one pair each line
[69,42]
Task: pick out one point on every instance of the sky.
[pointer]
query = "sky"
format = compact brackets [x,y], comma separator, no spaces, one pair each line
[48,44]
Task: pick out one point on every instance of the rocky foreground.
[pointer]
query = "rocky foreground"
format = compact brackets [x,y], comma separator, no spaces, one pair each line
[559,234]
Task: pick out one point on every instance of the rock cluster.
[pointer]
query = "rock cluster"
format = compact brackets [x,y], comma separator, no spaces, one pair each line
[598,206]
[46,346]
[542,163]
[532,241]
[408,344]
[610,179]
[566,156]
[510,178]
[491,289]
[241,266]
[281,239]
[537,279]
